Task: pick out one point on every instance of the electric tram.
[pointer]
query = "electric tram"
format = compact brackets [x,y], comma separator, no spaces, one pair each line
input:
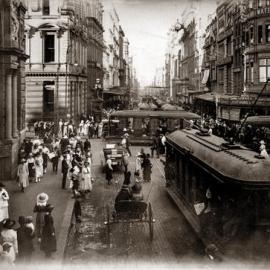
[142,124]
[222,189]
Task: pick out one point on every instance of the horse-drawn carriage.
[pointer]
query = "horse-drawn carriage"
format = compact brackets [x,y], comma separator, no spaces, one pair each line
[130,212]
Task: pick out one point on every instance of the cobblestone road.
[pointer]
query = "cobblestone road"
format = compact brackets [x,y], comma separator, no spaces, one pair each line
[174,240]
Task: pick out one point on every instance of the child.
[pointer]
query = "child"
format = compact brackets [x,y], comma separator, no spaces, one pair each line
[29,224]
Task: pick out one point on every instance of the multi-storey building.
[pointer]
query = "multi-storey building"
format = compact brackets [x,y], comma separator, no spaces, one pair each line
[12,93]
[185,54]
[240,48]
[95,50]
[116,55]
[56,71]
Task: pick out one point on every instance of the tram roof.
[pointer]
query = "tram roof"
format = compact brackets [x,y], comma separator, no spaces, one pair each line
[181,114]
[263,120]
[237,164]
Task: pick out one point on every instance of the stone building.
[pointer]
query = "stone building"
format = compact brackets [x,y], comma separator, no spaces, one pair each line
[95,49]
[12,76]
[56,71]
[236,54]
[116,90]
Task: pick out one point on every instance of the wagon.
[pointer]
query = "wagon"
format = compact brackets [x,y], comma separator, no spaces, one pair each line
[130,212]
[115,153]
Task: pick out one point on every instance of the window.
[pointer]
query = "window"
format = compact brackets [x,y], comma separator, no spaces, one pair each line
[260,34]
[49,48]
[48,97]
[267,32]
[261,3]
[247,38]
[264,69]
[251,73]
[46,7]
[251,35]
[268,2]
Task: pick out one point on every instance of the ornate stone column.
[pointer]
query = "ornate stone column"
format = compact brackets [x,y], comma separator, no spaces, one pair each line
[14,106]
[9,106]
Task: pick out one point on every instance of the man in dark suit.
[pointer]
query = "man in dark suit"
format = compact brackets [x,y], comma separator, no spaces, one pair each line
[65,168]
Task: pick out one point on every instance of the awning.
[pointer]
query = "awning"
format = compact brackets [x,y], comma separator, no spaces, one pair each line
[49,87]
[205,76]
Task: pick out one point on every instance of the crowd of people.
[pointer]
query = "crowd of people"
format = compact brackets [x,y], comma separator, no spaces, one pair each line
[248,135]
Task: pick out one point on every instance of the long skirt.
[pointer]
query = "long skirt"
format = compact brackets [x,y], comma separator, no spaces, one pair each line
[3,213]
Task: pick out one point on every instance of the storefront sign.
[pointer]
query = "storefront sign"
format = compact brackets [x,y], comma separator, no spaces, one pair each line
[263,11]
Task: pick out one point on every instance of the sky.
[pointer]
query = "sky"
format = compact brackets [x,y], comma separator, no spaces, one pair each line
[146,24]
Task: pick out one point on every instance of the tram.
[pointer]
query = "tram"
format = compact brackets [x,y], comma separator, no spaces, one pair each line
[141,125]
[223,190]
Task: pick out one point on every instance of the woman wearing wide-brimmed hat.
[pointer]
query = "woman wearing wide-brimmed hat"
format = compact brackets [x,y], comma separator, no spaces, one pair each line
[9,235]
[23,174]
[40,208]
[4,197]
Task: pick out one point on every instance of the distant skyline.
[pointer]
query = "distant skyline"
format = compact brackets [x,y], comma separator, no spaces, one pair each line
[146,24]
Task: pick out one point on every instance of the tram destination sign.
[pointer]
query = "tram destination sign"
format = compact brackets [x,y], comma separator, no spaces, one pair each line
[263,11]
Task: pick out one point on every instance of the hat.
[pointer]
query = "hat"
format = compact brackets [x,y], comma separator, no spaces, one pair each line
[23,160]
[262,142]
[126,134]
[138,154]
[8,223]
[124,129]
[21,220]
[2,185]
[42,198]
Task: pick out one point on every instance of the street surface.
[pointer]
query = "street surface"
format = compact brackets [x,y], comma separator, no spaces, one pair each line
[174,240]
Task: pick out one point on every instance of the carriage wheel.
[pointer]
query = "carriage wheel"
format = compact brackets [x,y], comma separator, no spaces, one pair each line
[151,221]
[108,223]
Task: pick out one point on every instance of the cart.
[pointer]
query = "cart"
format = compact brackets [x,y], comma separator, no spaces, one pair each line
[115,153]
[130,212]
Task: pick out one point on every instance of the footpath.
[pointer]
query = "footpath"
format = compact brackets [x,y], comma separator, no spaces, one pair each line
[23,204]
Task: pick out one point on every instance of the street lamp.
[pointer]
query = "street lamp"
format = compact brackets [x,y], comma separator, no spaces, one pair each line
[98,90]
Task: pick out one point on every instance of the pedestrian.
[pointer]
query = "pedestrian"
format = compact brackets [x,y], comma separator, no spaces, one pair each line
[87,146]
[9,235]
[22,175]
[48,238]
[86,182]
[40,208]
[55,159]
[45,157]
[65,169]
[126,161]
[127,143]
[39,166]
[75,174]
[109,170]
[25,241]
[147,168]
[4,197]
[154,146]
[138,163]
[31,167]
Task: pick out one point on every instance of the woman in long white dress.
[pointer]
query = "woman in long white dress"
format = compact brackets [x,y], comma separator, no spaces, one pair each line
[9,235]
[39,167]
[4,197]
[23,174]
[86,181]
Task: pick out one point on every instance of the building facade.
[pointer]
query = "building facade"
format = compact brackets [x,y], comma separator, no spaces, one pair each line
[56,71]
[117,70]
[12,74]
[95,48]
[236,55]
